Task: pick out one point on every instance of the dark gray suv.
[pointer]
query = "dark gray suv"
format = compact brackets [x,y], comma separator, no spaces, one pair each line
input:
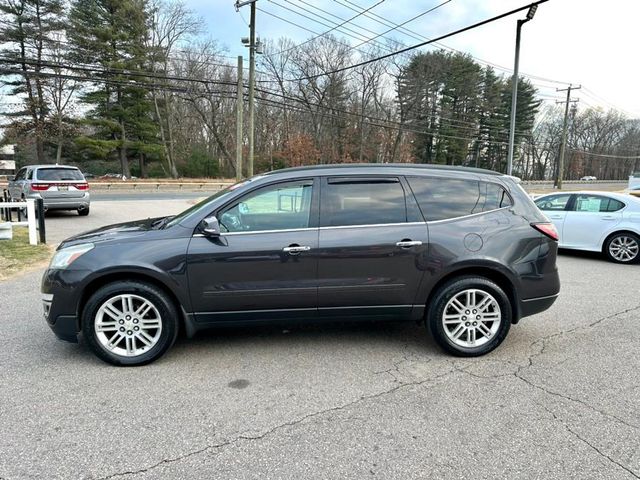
[463,250]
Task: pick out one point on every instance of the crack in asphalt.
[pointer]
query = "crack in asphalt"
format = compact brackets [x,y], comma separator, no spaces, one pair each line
[518,374]
[543,341]
[394,372]
[274,429]
[589,444]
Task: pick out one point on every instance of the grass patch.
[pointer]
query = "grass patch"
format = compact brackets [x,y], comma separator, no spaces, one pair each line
[17,255]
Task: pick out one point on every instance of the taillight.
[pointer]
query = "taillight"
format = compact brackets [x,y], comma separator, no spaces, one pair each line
[549,229]
[82,186]
[40,186]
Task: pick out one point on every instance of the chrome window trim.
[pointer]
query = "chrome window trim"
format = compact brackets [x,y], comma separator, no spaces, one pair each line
[225,234]
[371,225]
[429,222]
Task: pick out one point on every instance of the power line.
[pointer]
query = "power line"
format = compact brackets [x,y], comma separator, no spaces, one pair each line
[620,157]
[454,123]
[413,47]
[354,34]
[422,14]
[328,31]
[417,36]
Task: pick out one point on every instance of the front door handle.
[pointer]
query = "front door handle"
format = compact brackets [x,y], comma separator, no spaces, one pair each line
[296,249]
[408,243]
[608,218]
[556,217]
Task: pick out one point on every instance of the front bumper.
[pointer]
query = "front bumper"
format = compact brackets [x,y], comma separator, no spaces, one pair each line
[60,301]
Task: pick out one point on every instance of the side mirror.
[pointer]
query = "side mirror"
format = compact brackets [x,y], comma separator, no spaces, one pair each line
[210,227]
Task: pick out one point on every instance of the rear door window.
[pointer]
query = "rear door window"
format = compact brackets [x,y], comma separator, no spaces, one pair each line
[362,201]
[59,174]
[596,203]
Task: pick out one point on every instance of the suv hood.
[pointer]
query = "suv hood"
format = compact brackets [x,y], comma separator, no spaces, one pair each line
[119,231]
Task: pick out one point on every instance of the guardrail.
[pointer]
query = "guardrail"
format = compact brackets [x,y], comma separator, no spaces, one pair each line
[583,182]
[158,185]
[34,220]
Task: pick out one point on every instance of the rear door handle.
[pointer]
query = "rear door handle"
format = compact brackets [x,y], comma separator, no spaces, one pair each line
[608,218]
[408,243]
[556,217]
[296,249]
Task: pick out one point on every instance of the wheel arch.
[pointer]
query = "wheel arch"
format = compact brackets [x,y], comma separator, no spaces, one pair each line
[139,276]
[616,232]
[495,275]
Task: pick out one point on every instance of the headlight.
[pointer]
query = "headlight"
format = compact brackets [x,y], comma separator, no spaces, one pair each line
[65,257]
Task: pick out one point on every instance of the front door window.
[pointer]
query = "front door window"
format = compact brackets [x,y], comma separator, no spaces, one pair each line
[284,206]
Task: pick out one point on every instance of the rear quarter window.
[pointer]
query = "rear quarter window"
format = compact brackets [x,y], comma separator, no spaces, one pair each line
[445,198]
[59,174]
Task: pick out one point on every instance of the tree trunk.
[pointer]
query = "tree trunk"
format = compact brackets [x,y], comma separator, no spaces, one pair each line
[143,167]
[122,150]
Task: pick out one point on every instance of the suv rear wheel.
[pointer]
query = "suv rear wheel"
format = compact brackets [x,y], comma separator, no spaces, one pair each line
[129,323]
[469,316]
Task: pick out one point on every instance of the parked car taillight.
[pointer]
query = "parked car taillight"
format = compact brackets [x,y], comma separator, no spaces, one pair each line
[82,186]
[40,186]
[549,229]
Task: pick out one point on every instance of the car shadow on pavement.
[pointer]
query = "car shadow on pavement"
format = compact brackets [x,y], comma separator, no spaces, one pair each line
[597,256]
[370,335]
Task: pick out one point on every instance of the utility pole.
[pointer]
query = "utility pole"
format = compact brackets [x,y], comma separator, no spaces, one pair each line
[563,145]
[251,43]
[252,81]
[239,109]
[514,88]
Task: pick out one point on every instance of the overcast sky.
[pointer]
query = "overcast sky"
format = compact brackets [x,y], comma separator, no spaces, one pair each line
[587,42]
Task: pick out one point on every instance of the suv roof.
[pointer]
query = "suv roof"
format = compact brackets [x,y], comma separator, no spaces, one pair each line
[422,166]
[55,165]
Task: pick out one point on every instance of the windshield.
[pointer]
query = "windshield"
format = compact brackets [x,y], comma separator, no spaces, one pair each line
[200,207]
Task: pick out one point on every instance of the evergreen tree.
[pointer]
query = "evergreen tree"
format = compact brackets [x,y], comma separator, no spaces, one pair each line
[111,35]
[27,30]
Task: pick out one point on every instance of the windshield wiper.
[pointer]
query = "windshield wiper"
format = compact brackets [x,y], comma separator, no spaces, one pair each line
[161,222]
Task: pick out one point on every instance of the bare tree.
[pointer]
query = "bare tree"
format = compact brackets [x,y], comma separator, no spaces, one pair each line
[171,23]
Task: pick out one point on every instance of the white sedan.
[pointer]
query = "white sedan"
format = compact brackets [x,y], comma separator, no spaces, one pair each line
[596,221]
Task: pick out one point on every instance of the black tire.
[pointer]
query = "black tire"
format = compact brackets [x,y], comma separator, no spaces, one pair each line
[83,212]
[163,304]
[632,242]
[454,287]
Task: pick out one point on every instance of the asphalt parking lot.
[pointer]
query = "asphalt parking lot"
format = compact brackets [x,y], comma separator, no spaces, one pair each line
[560,399]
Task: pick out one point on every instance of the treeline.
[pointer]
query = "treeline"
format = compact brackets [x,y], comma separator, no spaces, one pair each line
[138,87]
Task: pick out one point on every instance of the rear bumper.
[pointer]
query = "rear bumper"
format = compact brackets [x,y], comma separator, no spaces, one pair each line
[64,203]
[531,306]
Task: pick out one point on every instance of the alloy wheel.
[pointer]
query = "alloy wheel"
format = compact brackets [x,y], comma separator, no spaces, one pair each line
[624,248]
[128,325]
[471,318]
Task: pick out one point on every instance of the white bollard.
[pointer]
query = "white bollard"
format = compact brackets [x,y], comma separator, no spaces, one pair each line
[31,221]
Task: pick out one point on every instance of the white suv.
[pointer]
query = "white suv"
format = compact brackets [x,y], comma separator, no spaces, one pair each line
[61,187]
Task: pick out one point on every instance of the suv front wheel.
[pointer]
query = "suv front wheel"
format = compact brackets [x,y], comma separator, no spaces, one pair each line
[469,316]
[129,323]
